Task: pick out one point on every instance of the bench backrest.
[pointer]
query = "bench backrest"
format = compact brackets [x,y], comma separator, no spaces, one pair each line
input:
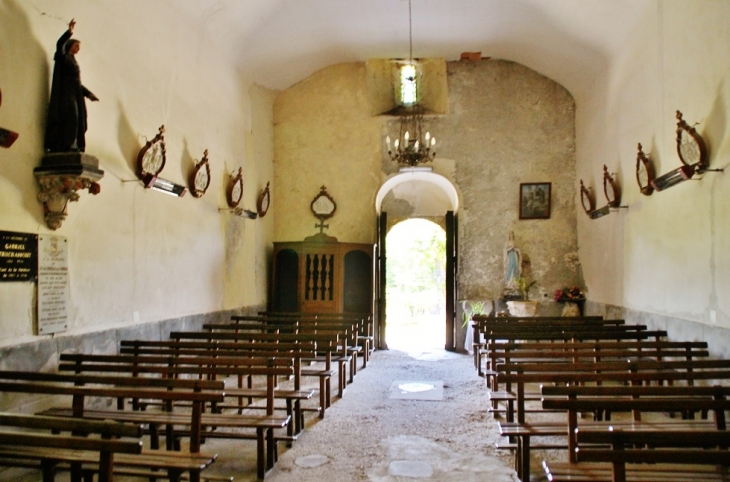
[349,326]
[327,343]
[537,319]
[563,335]
[636,399]
[597,345]
[364,320]
[705,447]
[210,365]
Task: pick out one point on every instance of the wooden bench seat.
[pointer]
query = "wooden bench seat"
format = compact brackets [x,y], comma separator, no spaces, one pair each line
[566,353]
[325,343]
[160,464]
[346,329]
[482,324]
[201,366]
[294,350]
[81,388]
[620,399]
[602,472]
[40,440]
[607,334]
[561,356]
[692,456]
[364,321]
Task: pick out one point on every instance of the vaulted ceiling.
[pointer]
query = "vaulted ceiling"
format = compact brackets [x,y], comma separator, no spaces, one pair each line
[279,42]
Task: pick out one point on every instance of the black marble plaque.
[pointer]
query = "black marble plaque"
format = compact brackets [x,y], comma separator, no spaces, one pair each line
[18,256]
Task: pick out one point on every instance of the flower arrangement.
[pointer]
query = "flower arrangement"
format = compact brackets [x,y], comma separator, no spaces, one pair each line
[524,285]
[570,293]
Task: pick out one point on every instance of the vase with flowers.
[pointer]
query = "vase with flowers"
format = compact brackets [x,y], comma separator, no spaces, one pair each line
[523,306]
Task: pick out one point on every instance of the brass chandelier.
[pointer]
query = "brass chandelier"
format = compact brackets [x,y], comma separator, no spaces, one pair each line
[411,147]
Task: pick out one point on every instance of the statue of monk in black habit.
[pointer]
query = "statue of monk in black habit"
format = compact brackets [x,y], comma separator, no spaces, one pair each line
[66,123]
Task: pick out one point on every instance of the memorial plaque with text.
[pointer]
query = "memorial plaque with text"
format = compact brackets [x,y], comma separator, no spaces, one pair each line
[18,256]
[53,284]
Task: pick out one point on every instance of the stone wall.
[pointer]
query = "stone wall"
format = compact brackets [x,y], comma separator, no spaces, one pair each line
[505,125]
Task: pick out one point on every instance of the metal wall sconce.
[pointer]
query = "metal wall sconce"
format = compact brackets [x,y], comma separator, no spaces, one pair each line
[693,154]
[150,162]
[163,185]
[672,178]
[61,176]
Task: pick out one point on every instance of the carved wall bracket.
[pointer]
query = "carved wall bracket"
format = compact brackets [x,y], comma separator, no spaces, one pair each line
[61,176]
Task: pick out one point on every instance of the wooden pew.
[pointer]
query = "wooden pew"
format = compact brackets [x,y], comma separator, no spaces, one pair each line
[346,327]
[482,323]
[81,388]
[563,329]
[638,399]
[564,334]
[510,354]
[296,351]
[607,371]
[209,367]
[326,343]
[634,373]
[346,330]
[365,332]
[39,444]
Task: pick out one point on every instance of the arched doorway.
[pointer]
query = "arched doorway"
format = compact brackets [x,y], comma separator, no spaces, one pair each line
[415,285]
[418,193]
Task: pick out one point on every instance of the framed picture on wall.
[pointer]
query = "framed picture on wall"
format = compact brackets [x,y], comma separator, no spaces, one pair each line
[535,200]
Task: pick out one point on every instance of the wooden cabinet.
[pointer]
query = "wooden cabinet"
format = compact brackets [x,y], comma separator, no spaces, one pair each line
[322,277]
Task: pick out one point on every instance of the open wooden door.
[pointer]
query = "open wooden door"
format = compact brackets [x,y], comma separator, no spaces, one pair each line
[382,227]
[452,265]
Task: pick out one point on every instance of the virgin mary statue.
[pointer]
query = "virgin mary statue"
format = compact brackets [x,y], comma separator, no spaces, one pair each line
[512,263]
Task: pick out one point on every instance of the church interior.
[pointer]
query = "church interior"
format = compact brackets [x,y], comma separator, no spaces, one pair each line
[274,102]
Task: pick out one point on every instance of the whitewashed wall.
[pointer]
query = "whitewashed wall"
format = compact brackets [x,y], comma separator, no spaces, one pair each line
[669,254]
[136,255]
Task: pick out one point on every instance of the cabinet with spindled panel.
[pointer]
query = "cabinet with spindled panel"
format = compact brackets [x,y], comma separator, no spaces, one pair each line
[324,277]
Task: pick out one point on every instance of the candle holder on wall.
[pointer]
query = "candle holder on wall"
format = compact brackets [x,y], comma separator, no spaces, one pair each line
[644,172]
[692,152]
[151,161]
[611,190]
[234,194]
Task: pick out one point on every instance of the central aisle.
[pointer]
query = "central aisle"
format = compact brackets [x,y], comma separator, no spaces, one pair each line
[370,436]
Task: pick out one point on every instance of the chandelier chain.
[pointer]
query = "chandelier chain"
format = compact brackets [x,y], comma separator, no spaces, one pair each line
[411,147]
[410,32]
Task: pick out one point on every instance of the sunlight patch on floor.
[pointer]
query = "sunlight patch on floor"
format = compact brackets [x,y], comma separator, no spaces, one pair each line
[417,390]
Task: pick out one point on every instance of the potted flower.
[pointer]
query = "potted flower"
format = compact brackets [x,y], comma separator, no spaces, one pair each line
[477,308]
[524,307]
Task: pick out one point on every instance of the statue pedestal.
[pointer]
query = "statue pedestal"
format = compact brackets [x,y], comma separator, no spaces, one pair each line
[523,308]
[60,176]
